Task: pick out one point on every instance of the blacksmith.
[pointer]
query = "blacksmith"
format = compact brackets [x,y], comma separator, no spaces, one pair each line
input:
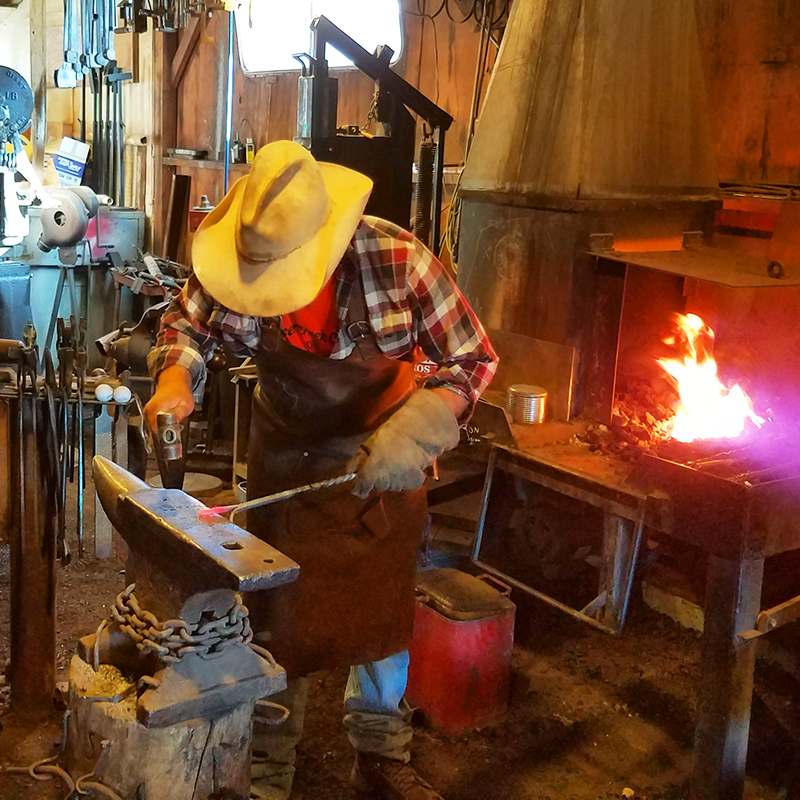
[333,306]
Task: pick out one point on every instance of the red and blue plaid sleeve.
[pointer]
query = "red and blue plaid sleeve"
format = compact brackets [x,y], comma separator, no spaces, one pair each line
[192,327]
[446,328]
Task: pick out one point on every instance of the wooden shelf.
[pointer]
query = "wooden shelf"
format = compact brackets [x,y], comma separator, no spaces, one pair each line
[202,163]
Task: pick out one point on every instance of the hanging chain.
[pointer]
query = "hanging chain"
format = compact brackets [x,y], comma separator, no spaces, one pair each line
[175,638]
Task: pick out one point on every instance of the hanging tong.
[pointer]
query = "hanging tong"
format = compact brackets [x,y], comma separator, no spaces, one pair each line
[79,369]
[55,457]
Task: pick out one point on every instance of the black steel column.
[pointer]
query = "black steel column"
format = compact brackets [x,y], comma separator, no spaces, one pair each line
[733,601]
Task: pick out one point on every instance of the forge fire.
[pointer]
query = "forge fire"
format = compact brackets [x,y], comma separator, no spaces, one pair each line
[694,404]
[706,409]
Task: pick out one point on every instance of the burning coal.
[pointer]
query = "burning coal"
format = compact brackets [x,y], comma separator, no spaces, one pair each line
[707,409]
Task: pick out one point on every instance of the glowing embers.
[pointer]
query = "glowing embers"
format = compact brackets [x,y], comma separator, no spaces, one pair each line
[706,408]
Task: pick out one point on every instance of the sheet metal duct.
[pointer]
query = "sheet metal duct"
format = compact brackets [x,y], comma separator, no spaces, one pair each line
[600,99]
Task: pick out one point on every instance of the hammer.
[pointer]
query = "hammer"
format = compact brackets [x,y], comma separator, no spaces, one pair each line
[168,441]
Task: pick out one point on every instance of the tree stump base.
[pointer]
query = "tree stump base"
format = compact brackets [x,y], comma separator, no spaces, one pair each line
[185,761]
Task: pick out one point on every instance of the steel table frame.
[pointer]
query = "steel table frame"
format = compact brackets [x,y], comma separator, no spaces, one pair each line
[733,616]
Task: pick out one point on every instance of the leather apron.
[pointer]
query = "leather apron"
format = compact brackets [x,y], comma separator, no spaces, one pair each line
[354,599]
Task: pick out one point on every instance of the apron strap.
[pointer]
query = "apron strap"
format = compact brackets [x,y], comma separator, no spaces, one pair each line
[357,322]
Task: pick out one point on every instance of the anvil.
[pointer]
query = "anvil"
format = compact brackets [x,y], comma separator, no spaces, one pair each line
[185,568]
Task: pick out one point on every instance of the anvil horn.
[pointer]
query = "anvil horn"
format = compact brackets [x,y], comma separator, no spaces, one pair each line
[113,482]
[163,527]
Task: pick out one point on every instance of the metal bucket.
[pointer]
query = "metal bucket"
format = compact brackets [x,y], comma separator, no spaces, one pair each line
[526,404]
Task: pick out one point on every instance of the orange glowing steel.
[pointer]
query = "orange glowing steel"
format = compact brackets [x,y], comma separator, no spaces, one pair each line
[707,409]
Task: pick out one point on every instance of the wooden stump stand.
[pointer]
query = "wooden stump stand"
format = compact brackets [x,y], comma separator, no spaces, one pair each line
[185,761]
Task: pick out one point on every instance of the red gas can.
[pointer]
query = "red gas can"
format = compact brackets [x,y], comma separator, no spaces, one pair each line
[460,652]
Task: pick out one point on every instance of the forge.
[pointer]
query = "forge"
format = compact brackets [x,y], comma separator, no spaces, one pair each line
[591,218]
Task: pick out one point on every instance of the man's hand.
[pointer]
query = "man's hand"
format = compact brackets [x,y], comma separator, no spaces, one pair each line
[395,456]
[173,393]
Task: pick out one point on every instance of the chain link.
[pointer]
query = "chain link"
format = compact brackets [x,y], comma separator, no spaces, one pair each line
[175,638]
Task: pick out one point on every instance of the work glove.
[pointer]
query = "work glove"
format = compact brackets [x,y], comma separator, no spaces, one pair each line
[395,456]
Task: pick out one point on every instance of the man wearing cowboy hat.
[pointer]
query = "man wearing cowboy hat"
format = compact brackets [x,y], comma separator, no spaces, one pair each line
[332,306]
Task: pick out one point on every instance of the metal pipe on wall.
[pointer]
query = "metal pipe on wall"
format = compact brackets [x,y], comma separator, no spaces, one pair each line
[229,103]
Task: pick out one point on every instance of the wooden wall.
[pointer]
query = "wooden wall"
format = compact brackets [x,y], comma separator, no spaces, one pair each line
[752,68]
[438,57]
[751,62]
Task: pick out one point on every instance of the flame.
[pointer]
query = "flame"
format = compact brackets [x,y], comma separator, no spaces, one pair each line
[707,409]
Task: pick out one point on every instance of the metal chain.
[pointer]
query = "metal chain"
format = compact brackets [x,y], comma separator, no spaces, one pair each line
[175,638]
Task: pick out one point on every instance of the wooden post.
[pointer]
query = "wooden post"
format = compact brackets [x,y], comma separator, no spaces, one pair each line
[33,578]
[165,132]
[733,601]
[38,38]
[186,761]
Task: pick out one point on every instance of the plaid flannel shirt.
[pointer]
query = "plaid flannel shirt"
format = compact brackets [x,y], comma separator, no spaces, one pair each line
[411,302]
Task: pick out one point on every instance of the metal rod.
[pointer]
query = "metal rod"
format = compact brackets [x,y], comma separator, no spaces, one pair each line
[438,185]
[79,526]
[545,598]
[73,291]
[83,109]
[276,498]
[51,327]
[121,134]
[229,103]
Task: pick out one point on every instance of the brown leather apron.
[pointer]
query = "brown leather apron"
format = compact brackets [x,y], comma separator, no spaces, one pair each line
[354,599]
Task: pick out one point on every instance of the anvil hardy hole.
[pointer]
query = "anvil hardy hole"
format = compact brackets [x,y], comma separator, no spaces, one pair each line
[233,545]
[269,560]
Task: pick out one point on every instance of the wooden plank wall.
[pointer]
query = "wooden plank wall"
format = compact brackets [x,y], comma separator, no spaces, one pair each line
[439,58]
[751,54]
[752,67]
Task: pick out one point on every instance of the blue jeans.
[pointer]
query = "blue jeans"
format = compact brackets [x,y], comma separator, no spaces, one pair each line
[376,715]
[377,719]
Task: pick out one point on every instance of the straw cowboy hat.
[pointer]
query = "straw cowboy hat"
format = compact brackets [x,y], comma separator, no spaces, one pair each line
[272,243]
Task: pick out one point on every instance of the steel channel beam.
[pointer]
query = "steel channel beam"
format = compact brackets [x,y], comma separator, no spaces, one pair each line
[571,484]
[733,601]
[618,536]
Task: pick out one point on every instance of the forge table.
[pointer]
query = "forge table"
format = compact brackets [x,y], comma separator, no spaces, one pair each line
[738,526]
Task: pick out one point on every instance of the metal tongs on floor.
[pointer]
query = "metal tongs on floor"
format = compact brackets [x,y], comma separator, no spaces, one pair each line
[221,511]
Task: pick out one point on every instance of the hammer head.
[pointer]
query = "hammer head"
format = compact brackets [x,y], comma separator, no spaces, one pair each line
[162,528]
[168,441]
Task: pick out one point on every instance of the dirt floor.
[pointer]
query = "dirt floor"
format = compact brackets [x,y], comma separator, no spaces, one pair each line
[591,717]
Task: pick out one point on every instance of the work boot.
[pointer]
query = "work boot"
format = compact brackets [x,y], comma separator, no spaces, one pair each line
[389,779]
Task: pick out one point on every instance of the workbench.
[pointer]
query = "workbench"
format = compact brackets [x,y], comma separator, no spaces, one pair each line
[733,616]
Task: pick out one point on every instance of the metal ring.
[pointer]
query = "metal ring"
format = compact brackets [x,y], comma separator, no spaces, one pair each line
[775,269]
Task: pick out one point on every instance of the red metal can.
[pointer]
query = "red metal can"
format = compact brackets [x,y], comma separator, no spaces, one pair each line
[460,653]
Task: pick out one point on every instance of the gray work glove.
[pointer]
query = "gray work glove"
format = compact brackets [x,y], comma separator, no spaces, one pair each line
[395,456]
